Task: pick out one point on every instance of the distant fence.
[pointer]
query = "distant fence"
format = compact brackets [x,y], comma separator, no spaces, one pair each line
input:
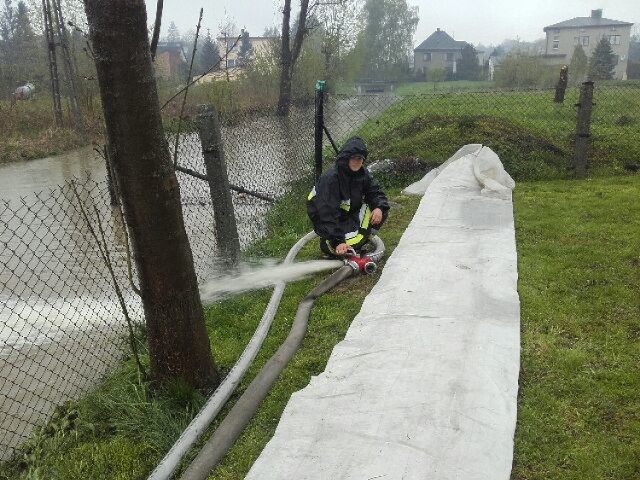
[534,136]
[61,330]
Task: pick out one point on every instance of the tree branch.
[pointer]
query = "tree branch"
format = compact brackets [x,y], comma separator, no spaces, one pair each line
[302,30]
[156,30]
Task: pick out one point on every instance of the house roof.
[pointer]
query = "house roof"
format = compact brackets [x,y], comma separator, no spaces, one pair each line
[169,46]
[584,22]
[440,40]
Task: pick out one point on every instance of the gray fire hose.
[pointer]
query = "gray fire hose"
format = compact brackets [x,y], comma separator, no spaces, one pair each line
[237,419]
[215,403]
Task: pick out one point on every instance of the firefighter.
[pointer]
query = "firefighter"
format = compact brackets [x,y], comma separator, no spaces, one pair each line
[347,204]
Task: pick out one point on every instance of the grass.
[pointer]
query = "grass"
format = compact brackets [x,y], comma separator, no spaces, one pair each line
[419,88]
[533,136]
[579,269]
[119,431]
[27,130]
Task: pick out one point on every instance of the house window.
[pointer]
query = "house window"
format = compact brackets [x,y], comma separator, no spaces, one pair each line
[556,44]
[449,57]
[576,40]
[614,39]
[427,57]
[231,63]
[585,41]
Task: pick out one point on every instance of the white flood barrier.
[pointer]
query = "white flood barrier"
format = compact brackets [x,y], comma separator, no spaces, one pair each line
[424,385]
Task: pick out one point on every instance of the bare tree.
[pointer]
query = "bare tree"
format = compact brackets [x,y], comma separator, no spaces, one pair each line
[340,28]
[289,52]
[178,341]
[156,29]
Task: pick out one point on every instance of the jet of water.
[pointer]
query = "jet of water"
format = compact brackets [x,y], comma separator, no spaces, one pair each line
[215,288]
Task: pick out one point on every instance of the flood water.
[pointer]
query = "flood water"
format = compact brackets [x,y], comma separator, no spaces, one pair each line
[51,271]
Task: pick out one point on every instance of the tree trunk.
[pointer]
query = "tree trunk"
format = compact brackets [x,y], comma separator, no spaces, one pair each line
[178,341]
[284,98]
[289,55]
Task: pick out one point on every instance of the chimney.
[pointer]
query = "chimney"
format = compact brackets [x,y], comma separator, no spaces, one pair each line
[596,13]
[438,29]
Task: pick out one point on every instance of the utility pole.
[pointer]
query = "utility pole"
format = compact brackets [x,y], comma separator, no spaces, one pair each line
[69,69]
[53,65]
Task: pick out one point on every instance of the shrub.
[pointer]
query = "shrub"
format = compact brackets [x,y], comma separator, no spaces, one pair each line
[525,72]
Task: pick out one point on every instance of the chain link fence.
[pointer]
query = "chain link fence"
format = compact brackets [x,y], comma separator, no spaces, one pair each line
[61,329]
[533,135]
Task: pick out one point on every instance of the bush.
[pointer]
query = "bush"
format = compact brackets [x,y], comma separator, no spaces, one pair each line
[525,72]
[436,75]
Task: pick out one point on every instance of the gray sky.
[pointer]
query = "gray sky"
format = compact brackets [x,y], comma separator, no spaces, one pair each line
[475,21]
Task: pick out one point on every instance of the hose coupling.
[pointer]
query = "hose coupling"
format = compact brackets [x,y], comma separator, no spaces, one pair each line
[361,264]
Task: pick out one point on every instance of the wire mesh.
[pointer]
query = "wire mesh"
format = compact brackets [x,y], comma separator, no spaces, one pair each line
[615,125]
[61,328]
[533,135]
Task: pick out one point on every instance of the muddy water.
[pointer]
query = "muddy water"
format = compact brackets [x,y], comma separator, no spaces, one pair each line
[50,265]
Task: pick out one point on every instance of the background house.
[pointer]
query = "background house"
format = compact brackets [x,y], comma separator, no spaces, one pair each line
[170,62]
[563,37]
[258,45]
[231,66]
[438,51]
[441,52]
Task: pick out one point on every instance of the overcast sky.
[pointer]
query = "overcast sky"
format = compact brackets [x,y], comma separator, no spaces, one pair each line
[475,21]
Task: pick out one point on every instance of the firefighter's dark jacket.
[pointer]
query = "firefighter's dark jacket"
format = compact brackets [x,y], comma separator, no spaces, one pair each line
[335,202]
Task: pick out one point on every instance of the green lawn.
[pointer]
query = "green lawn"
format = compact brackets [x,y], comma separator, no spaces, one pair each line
[579,270]
[533,135]
[419,88]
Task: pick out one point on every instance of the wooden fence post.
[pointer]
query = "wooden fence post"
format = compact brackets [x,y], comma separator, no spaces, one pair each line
[226,230]
[561,86]
[583,129]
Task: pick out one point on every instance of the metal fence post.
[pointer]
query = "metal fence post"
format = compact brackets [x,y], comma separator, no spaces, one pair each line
[561,86]
[319,125]
[213,152]
[583,129]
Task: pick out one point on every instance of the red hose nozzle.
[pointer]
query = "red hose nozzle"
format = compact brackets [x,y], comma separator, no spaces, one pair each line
[361,264]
